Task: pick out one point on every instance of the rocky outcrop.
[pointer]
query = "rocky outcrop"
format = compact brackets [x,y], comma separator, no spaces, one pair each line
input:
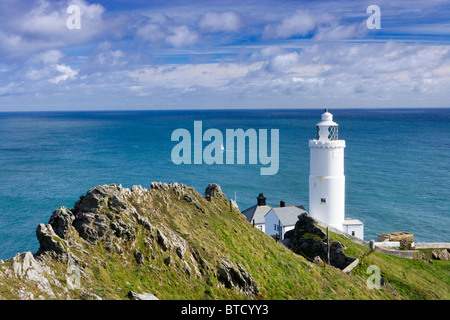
[99,215]
[213,190]
[135,225]
[51,243]
[237,277]
[141,296]
[309,241]
[60,220]
[27,268]
[442,254]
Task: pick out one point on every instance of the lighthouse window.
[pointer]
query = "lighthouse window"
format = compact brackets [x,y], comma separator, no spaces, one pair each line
[323,200]
[332,133]
[317,132]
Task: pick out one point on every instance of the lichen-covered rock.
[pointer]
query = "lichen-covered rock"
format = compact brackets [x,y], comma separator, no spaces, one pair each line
[236,277]
[213,190]
[60,220]
[141,296]
[98,215]
[139,257]
[50,242]
[26,267]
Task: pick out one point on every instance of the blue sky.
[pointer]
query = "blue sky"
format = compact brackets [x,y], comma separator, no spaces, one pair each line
[134,55]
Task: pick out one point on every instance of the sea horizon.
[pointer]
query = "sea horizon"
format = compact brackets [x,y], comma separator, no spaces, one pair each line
[226,109]
[51,158]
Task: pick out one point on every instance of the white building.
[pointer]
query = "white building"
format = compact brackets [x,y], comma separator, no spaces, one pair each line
[282,219]
[353,227]
[327,179]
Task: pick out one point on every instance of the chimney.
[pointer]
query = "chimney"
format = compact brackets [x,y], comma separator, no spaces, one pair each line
[282,204]
[261,200]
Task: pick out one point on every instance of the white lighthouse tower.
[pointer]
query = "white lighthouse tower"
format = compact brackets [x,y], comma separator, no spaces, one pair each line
[326,177]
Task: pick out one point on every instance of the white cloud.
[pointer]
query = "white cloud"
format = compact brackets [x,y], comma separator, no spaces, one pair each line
[48,57]
[180,36]
[152,32]
[174,35]
[54,73]
[283,62]
[66,72]
[340,32]
[301,23]
[216,22]
[41,25]
[211,75]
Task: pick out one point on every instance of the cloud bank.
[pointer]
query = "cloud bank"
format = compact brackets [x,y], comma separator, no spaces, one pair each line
[223,55]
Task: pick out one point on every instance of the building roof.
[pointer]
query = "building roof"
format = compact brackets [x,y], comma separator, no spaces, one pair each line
[288,216]
[350,221]
[256,213]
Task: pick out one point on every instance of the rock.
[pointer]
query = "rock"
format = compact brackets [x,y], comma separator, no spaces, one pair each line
[50,242]
[117,248]
[169,240]
[139,257]
[162,240]
[239,278]
[60,220]
[442,254]
[96,198]
[213,190]
[116,204]
[98,215]
[168,261]
[83,224]
[159,185]
[180,252]
[309,241]
[187,269]
[188,198]
[143,221]
[90,296]
[307,224]
[177,188]
[142,296]
[26,267]
[317,259]
[338,258]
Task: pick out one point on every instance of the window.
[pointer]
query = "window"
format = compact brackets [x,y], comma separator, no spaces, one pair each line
[353,233]
[275,227]
[332,133]
[323,200]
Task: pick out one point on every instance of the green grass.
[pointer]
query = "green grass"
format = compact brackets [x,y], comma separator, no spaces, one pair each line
[414,279]
[218,232]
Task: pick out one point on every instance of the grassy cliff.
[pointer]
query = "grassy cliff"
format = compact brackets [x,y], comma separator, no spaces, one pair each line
[175,243]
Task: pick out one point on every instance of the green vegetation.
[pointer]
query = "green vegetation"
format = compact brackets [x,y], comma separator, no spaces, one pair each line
[413,279]
[210,232]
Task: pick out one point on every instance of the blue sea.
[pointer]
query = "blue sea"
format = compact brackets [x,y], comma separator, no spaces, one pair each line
[396,164]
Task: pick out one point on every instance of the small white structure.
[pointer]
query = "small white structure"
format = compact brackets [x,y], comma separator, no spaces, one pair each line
[353,227]
[282,219]
[327,179]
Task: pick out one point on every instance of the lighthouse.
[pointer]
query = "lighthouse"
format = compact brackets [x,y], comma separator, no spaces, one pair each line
[326,175]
